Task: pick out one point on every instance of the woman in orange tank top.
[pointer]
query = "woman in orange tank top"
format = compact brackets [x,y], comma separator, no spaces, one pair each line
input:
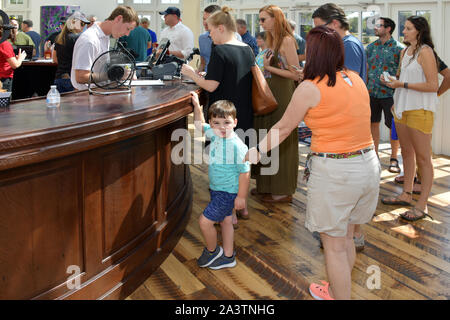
[343,170]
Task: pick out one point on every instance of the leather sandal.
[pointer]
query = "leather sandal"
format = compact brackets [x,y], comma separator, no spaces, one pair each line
[401,180]
[268,198]
[254,192]
[394,167]
[415,214]
[395,200]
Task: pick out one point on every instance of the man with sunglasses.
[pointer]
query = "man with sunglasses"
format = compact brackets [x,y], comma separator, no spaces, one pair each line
[383,55]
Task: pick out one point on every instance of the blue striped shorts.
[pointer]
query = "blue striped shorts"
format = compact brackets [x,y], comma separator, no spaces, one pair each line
[220,206]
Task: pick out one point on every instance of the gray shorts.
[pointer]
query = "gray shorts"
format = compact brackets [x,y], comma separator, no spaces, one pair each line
[342,192]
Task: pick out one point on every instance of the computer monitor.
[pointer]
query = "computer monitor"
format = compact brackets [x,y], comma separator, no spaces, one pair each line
[28,49]
[155,59]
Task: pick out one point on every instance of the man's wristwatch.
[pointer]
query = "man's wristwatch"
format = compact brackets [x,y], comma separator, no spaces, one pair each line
[405,85]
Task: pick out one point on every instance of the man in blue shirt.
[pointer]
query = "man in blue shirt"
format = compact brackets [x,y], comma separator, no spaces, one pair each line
[334,18]
[205,42]
[27,27]
[300,42]
[246,36]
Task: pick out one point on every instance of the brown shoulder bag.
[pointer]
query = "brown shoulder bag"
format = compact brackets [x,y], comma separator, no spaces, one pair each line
[262,97]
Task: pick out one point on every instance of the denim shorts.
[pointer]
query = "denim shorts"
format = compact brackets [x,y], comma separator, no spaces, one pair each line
[220,206]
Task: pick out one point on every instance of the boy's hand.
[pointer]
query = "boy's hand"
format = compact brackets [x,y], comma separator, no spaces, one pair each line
[239,203]
[252,156]
[195,100]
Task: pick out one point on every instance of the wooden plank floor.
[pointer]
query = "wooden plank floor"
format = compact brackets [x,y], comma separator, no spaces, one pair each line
[277,257]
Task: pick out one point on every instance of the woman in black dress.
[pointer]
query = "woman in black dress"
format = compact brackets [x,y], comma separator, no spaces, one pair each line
[229,74]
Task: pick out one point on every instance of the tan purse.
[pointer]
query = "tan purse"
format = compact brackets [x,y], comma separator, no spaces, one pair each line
[262,97]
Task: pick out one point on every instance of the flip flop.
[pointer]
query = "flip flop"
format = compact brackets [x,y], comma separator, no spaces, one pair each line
[406,215]
[395,201]
[394,167]
[401,180]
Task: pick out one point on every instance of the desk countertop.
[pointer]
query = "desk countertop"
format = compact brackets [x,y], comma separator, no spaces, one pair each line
[29,127]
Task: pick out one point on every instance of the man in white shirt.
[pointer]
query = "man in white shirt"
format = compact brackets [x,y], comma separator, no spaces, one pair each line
[95,41]
[181,37]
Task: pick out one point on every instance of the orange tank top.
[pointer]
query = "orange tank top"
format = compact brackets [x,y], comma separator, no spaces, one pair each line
[341,121]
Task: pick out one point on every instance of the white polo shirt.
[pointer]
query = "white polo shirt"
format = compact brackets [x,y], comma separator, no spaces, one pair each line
[89,46]
[181,39]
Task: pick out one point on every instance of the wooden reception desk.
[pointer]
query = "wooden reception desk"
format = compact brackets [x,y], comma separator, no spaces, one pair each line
[91,187]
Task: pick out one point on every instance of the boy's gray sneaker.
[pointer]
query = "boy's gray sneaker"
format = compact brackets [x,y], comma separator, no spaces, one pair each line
[223,262]
[209,257]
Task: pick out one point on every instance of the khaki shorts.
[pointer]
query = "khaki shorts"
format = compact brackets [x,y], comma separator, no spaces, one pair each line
[342,192]
[421,120]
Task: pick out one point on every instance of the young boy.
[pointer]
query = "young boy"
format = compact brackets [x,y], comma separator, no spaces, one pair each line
[229,179]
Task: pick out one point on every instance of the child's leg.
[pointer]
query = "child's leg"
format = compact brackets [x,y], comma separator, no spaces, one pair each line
[209,232]
[227,236]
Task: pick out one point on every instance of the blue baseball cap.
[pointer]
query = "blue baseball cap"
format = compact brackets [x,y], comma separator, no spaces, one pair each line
[171,10]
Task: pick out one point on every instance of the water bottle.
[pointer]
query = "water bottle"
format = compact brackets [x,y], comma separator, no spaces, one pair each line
[53,98]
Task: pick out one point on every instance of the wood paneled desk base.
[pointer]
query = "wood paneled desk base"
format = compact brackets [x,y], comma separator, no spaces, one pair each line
[91,187]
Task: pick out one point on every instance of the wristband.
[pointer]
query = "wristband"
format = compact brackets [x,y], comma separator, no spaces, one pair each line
[405,85]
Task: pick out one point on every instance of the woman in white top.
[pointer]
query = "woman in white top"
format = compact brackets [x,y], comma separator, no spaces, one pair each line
[415,102]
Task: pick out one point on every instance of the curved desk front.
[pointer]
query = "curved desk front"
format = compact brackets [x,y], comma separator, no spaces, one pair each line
[90,201]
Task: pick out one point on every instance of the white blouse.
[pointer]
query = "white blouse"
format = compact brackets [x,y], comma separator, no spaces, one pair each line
[409,99]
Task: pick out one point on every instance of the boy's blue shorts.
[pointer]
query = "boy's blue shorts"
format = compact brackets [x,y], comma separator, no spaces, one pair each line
[220,206]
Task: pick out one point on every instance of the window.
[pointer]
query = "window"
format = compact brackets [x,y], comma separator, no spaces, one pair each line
[170,1]
[15,1]
[252,20]
[353,20]
[306,23]
[119,1]
[141,1]
[163,24]
[403,15]
[369,19]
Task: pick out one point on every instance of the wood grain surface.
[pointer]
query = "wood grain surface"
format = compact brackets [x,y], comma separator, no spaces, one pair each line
[277,257]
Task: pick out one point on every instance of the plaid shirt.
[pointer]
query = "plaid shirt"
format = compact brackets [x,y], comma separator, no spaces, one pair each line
[382,58]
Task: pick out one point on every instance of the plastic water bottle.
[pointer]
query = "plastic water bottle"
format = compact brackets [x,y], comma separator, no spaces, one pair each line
[53,98]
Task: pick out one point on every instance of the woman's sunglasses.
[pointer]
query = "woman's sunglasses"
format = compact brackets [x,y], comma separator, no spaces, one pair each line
[262,20]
